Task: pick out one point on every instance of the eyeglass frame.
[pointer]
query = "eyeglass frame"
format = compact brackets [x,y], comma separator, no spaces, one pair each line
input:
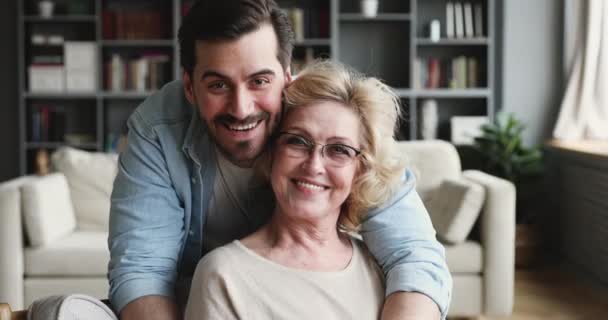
[311,146]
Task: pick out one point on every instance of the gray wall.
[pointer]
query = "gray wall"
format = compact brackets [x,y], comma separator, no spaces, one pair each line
[9,162]
[530,79]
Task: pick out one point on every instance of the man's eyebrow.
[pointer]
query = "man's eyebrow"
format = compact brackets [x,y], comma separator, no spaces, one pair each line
[262,72]
[211,73]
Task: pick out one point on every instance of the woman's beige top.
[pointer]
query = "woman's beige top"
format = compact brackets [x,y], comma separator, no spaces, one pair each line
[233,282]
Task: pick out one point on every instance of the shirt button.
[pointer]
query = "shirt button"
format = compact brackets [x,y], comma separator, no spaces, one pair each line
[191,232]
[193,179]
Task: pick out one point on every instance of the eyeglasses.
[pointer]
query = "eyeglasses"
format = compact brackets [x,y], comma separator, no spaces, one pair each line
[297,146]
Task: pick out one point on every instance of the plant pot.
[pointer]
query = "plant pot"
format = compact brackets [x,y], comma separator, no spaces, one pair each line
[528,246]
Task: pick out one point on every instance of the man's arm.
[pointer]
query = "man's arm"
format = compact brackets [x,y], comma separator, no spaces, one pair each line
[146,227]
[409,306]
[151,307]
[401,237]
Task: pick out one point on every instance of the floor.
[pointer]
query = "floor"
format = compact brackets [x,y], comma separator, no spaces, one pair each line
[557,293]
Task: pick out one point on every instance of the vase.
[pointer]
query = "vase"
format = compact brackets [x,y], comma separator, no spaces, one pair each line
[369,8]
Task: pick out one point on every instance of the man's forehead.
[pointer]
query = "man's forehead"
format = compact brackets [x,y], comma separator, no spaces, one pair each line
[252,52]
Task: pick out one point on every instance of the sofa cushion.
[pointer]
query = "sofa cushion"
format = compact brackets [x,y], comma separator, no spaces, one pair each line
[82,253]
[47,209]
[465,257]
[90,176]
[454,209]
[432,161]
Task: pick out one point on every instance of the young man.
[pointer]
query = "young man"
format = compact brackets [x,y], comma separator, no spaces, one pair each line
[185,185]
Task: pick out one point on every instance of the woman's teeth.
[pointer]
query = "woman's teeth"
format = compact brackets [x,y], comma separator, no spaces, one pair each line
[309,185]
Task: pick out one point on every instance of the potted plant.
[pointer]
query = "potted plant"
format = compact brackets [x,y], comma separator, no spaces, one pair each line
[504,155]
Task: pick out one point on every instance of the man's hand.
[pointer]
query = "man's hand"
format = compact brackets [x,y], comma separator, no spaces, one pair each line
[151,308]
[410,306]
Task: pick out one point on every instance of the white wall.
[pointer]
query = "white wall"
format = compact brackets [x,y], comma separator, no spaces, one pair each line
[530,78]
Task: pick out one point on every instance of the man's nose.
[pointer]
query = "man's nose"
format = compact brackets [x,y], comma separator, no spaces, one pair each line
[243,104]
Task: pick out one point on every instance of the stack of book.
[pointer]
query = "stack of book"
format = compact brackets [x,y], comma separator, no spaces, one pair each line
[47,124]
[135,20]
[456,73]
[463,19]
[309,23]
[147,72]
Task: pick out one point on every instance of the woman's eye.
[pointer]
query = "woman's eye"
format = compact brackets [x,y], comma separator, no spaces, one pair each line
[297,141]
[337,149]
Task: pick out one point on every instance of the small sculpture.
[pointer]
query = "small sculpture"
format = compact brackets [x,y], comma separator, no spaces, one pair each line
[42,162]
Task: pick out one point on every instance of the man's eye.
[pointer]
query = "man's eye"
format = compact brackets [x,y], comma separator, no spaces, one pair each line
[260,81]
[218,85]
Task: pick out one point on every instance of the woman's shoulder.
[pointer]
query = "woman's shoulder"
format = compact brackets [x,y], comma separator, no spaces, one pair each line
[221,260]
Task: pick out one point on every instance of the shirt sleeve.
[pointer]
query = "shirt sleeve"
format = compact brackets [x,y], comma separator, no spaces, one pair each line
[401,237]
[146,221]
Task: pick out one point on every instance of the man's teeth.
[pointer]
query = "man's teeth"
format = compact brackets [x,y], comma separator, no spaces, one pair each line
[243,127]
[309,185]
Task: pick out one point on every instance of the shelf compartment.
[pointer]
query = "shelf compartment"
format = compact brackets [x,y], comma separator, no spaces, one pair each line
[386,57]
[313,42]
[356,17]
[453,93]
[55,145]
[138,43]
[384,6]
[453,42]
[449,107]
[60,95]
[61,19]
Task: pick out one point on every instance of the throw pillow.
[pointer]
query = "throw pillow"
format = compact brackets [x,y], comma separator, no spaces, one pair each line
[454,209]
[47,209]
[90,177]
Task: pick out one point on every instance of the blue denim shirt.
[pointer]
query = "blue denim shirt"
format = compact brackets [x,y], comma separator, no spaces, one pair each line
[161,196]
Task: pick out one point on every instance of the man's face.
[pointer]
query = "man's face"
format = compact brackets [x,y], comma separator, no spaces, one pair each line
[237,85]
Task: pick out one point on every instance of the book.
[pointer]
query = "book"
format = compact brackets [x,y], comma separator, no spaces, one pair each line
[472,73]
[468,20]
[458,20]
[80,66]
[478,20]
[449,19]
[297,21]
[434,73]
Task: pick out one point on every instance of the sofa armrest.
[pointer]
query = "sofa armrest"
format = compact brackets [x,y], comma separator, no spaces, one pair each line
[497,224]
[11,243]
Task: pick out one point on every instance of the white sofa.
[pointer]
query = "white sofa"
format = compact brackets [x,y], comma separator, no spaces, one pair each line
[76,261]
[53,229]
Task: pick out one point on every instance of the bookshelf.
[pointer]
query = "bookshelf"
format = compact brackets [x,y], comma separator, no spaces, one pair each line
[392,46]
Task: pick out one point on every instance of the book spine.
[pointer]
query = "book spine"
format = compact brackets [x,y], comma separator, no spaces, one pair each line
[459,20]
[468,20]
[449,19]
[478,20]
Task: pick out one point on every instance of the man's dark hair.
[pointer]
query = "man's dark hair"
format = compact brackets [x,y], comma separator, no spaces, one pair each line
[212,20]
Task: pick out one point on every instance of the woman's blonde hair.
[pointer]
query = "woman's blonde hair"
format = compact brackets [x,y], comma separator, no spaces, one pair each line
[378,110]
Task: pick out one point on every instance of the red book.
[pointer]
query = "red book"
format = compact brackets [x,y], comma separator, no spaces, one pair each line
[108,25]
[434,73]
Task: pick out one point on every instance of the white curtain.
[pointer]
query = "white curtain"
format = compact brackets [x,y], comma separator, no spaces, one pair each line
[584,109]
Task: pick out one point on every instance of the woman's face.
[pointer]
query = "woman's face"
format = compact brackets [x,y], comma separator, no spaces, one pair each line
[309,185]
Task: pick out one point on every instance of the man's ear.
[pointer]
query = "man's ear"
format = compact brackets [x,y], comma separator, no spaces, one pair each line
[188,88]
[288,78]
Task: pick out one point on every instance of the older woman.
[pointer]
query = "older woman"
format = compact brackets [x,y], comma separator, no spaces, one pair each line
[332,160]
